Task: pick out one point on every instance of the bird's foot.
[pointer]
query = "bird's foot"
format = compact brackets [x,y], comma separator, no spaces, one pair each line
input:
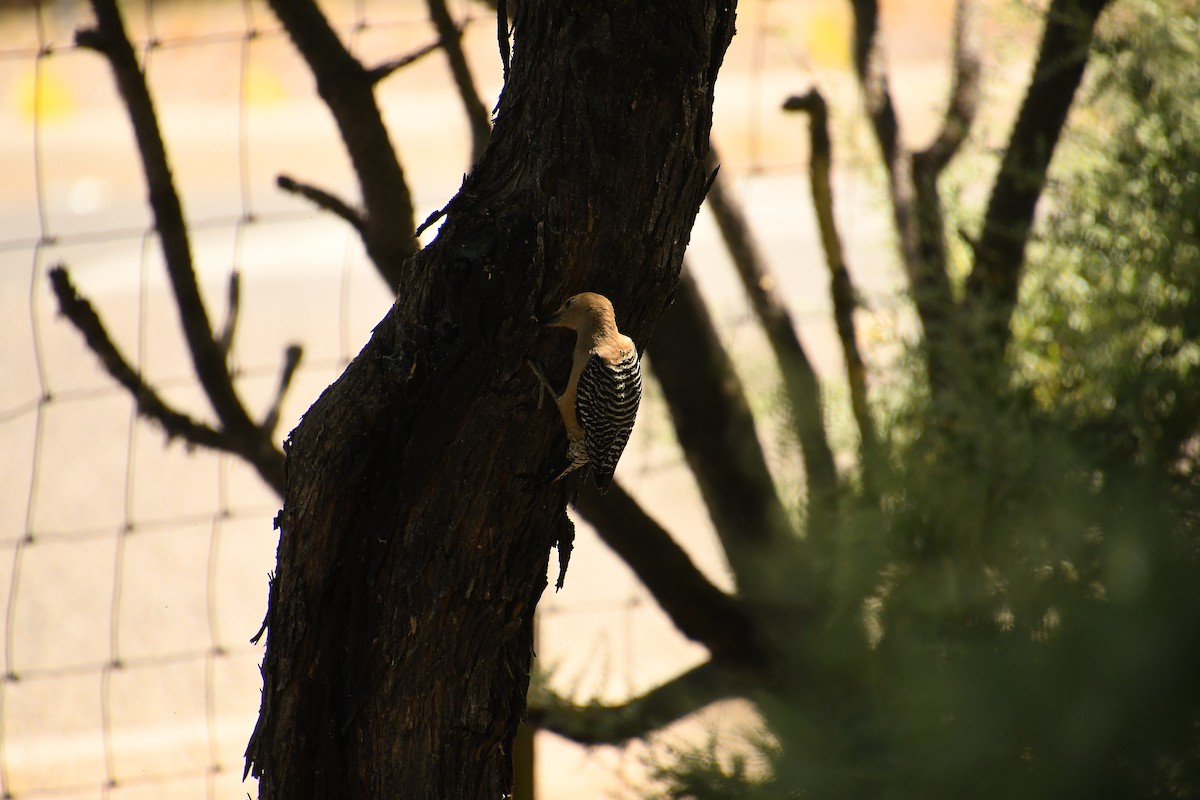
[543,383]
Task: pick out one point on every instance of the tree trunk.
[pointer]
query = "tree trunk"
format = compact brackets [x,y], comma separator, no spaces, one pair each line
[418,512]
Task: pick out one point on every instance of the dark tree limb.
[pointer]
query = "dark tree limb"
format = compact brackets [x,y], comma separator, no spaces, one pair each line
[881,111]
[873,79]
[841,287]
[477,114]
[348,90]
[324,200]
[700,611]
[717,434]
[799,378]
[612,724]
[1000,249]
[208,356]
[379,72]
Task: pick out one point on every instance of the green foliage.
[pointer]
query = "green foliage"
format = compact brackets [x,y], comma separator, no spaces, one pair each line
[1111,323]
[1020,615]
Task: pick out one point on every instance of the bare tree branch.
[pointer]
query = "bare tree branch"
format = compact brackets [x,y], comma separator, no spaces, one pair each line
[348,90]
[799,377]
[716,431]
[1000,250]
[657,708]
[841,288]
[700,611]
[324,200]
[477,113]
[85,319]
[208,357]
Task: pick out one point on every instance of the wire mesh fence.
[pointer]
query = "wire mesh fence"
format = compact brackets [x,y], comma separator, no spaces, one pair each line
[136,568]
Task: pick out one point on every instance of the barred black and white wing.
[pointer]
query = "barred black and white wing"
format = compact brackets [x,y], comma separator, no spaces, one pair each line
[606,403]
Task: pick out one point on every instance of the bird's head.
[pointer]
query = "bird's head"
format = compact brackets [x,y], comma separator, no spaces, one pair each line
[581,311]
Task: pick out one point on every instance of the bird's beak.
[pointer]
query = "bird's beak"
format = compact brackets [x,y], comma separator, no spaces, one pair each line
[552,320]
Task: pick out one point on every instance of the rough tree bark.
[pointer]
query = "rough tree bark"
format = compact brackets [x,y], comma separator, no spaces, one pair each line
[417,515]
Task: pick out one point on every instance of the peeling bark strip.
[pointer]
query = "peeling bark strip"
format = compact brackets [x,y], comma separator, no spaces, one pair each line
[417,517]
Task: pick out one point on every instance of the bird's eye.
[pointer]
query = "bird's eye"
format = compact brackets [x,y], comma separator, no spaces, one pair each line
[569,303]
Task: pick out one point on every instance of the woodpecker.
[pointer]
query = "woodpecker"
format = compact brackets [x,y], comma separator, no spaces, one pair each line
[601,400]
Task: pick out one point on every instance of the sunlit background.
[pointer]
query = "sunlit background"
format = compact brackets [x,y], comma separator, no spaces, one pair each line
[133,571]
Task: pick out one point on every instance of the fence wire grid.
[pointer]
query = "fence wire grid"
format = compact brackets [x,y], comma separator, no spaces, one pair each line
[133,570]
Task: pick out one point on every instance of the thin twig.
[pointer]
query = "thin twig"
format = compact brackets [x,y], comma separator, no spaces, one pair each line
[323,200]
[433,217]
[380,71]
[291,360]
